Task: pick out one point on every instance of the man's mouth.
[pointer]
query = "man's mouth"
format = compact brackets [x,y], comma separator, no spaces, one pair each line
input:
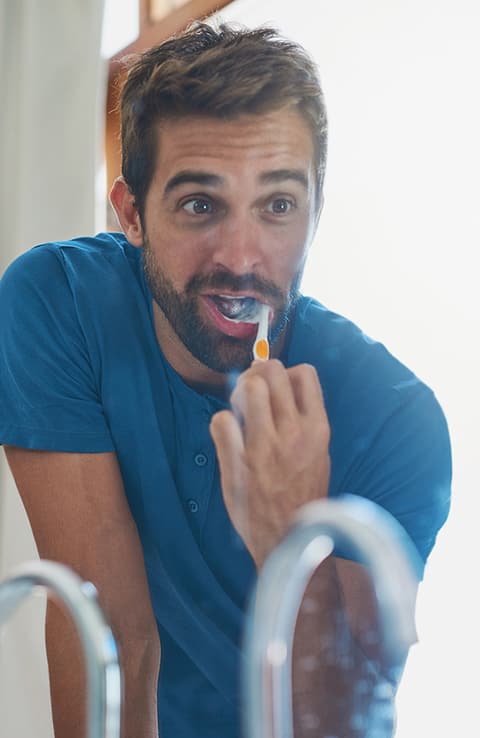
[235,316]
[238,309]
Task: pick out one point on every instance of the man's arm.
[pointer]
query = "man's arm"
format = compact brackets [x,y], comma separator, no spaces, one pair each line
[80,517]
[342,683]
[273,455]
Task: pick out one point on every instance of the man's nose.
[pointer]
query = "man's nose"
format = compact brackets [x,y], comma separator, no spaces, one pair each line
[239,246]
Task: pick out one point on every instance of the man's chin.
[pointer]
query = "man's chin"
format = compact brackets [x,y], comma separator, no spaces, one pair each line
[224,358]
[214,350]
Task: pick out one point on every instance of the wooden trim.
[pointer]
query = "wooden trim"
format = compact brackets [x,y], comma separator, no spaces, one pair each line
[150,34]
[154,33]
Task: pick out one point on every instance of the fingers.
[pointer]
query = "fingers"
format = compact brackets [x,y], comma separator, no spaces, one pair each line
[289,392]
[264,398]
[252,406]
[227,437]
[272,450]
[273,408]
[306,389]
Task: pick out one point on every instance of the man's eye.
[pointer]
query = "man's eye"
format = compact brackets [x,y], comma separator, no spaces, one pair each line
[198,206]
[280,206]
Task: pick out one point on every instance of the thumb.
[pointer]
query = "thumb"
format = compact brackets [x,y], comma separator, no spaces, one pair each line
[228,439]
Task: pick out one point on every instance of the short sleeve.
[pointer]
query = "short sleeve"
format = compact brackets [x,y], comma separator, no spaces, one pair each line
[407,468]
[49,397]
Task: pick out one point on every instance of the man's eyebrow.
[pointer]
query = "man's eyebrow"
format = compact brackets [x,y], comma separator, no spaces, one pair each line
[280,175]
[192,177]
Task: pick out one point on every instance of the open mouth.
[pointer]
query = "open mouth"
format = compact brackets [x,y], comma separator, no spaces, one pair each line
[237,309]
[236,316]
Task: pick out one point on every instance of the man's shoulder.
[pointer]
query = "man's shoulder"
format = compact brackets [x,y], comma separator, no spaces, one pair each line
[347,359]
[54,263]
[102,246]
[315,320]
[86,277]
[329,337]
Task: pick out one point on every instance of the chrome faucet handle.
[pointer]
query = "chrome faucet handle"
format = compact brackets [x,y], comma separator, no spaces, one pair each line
[368,534]
[104,678]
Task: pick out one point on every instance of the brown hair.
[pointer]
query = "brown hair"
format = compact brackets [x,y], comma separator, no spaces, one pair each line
[219,73]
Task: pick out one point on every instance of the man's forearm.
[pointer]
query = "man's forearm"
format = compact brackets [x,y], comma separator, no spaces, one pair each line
[139,657]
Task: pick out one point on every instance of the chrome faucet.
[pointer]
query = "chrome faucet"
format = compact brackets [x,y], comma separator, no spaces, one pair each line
[364,531]
[104,679]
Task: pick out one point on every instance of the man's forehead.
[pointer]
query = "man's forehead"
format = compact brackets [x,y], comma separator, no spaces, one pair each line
[284,133]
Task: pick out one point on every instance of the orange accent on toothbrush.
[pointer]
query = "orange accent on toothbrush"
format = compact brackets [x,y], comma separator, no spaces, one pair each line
[261,349]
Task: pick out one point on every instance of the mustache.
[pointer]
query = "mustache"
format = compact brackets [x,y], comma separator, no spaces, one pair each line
[225,280]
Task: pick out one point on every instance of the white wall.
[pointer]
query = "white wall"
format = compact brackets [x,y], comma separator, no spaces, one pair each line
[49,146]
[395,253]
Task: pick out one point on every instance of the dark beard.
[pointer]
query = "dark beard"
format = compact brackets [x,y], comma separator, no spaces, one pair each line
[211,347]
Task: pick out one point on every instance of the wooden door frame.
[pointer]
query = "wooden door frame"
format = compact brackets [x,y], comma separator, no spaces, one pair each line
[150,33]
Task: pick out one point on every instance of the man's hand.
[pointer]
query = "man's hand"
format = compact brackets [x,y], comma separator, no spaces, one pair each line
[272,449]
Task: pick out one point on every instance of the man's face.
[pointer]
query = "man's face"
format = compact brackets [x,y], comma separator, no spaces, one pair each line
[228,219]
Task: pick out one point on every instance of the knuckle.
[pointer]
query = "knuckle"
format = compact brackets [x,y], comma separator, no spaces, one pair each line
[308,372]
[268,369]
[219,418]
[274,365]
[322,430]
[253,384]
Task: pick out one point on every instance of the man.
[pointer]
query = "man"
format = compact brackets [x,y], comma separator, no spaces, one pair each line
[151,454]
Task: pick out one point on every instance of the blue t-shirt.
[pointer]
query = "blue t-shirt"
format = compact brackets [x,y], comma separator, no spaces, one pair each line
[81,371]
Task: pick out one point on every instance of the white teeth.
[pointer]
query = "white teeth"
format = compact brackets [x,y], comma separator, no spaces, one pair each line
[251,314]
[239,308]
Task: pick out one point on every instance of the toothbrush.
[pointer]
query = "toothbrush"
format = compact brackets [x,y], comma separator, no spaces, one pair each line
[261,349]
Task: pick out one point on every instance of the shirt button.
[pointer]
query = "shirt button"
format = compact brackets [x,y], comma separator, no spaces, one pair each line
[192,506]
[200,459]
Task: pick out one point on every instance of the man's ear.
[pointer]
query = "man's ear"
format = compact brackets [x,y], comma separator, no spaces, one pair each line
[123,202]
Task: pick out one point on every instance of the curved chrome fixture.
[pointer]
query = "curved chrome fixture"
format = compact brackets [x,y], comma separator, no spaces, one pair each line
[104,681]
[365,532]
